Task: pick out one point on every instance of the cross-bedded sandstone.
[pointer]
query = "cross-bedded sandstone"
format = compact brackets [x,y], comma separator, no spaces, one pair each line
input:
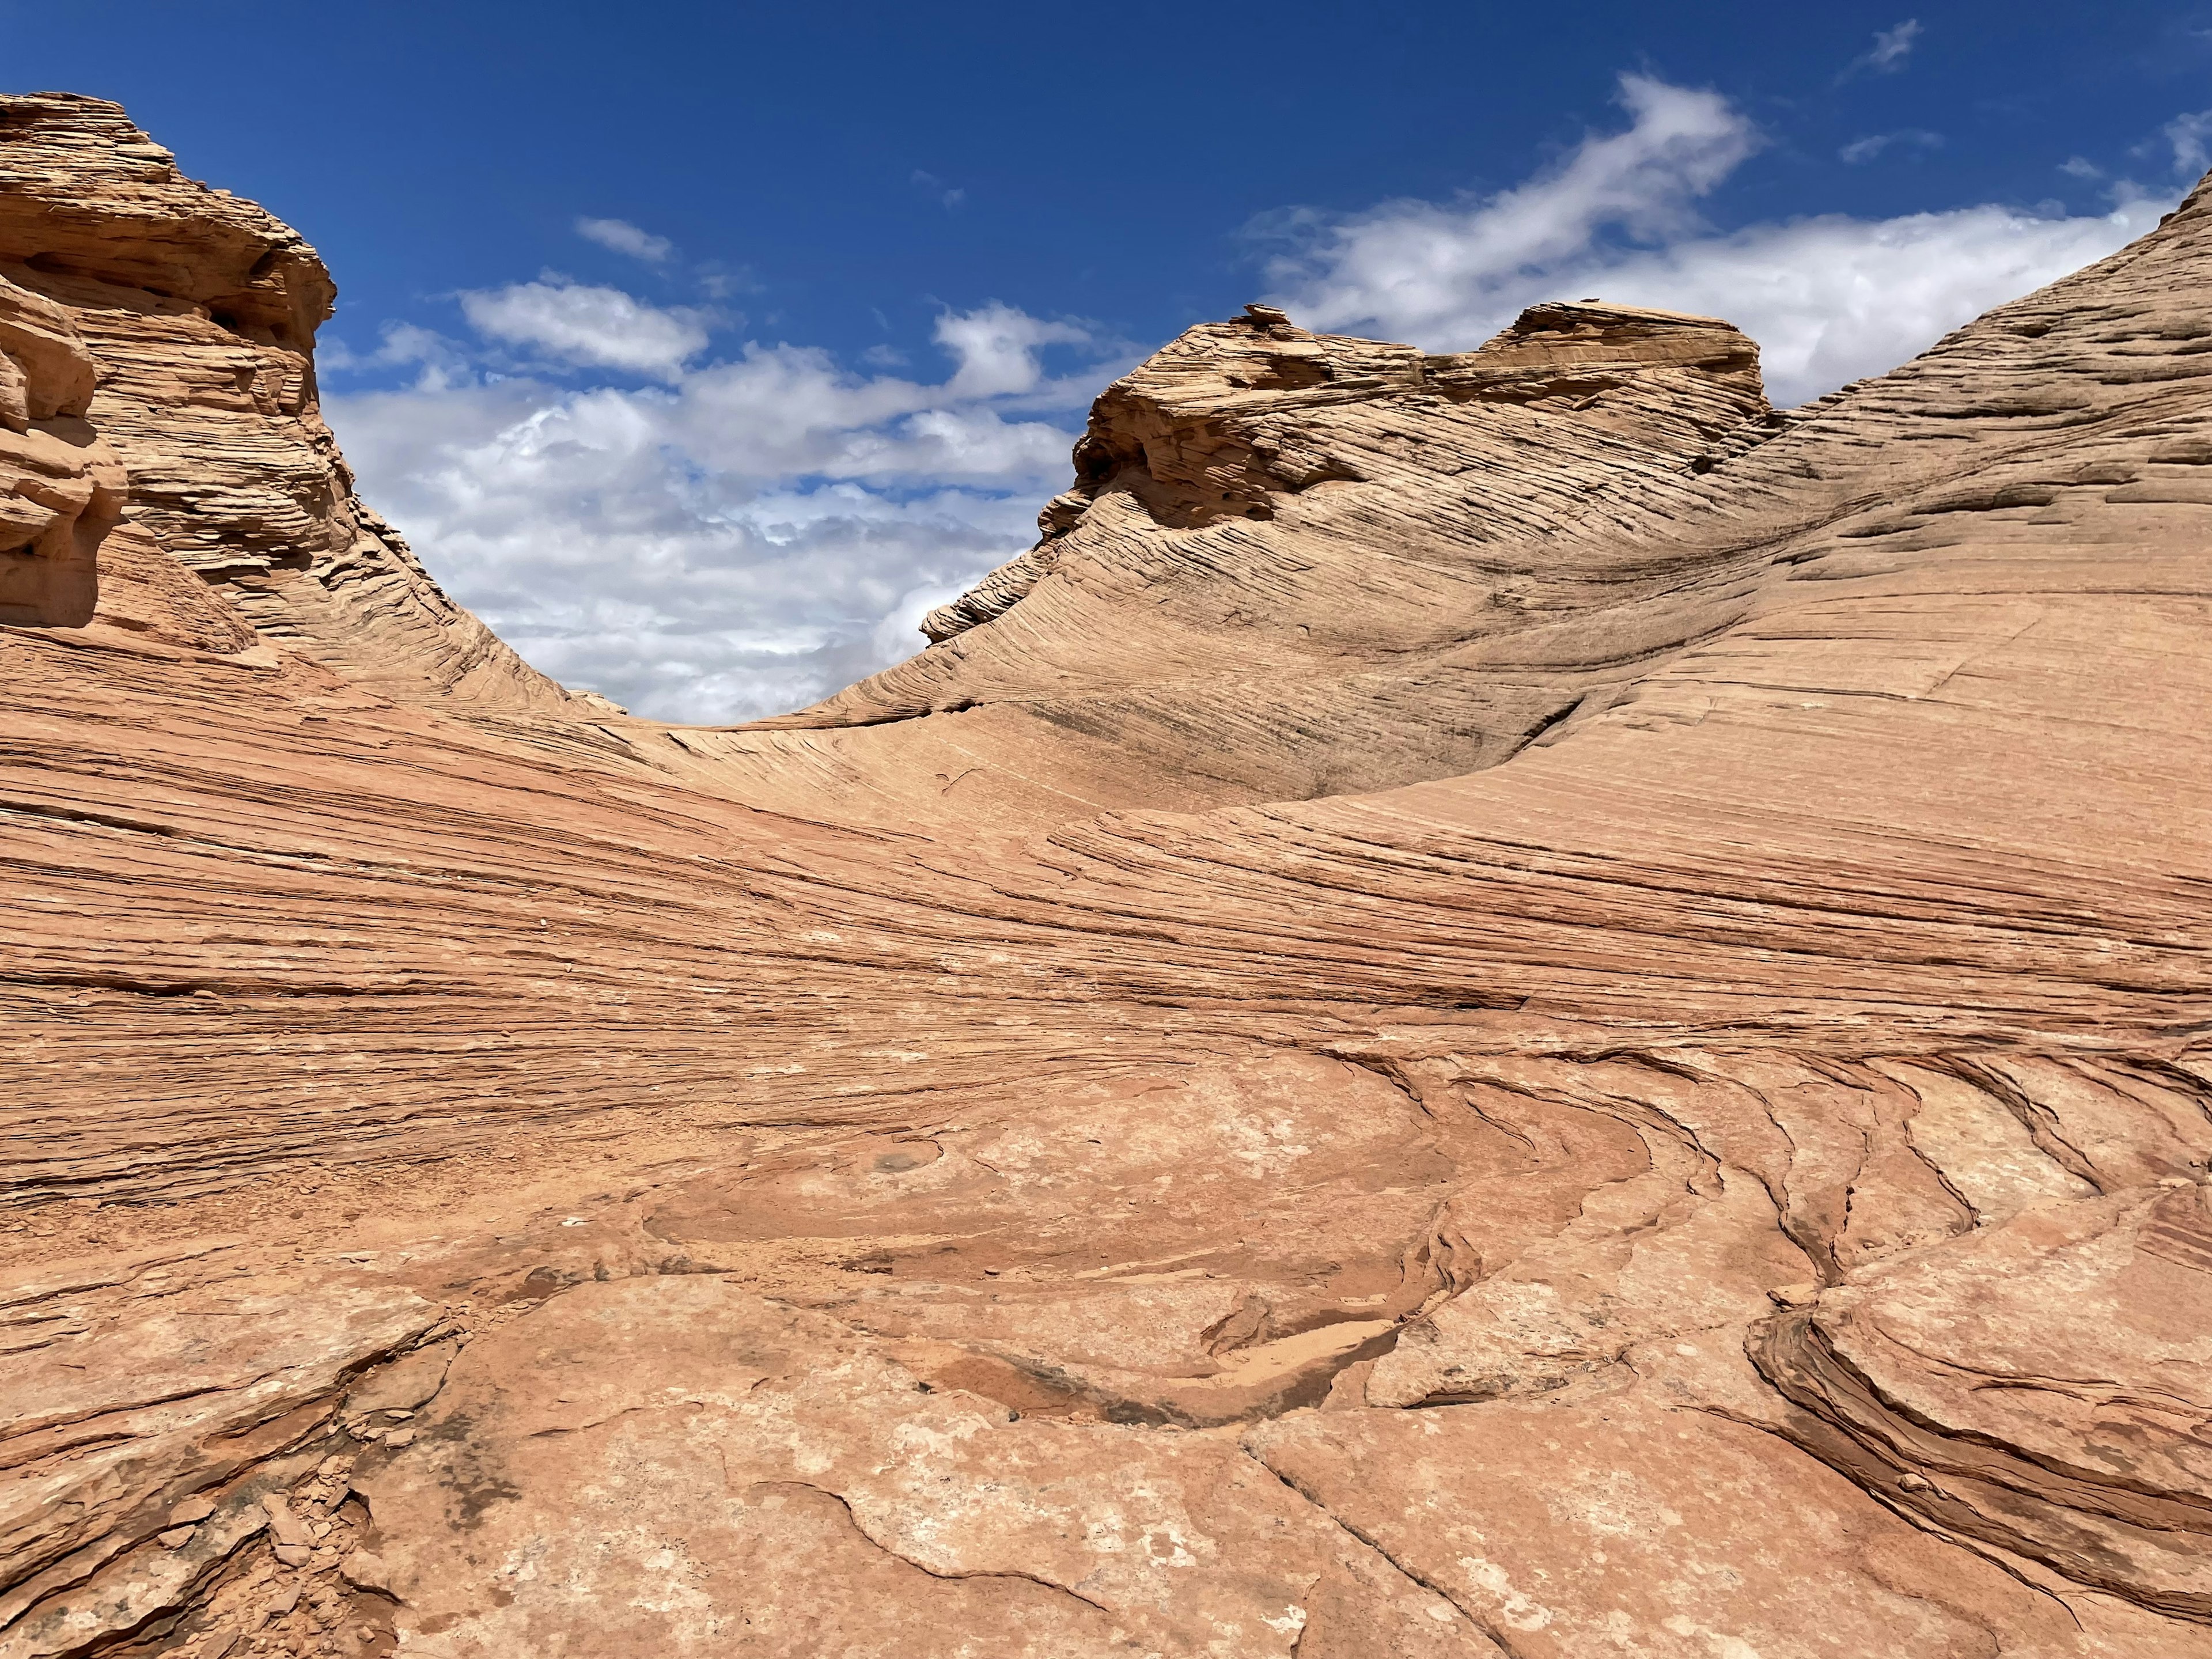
[1501,1004]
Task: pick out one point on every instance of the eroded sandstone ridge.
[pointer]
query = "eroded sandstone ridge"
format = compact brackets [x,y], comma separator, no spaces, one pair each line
[193,312]
[1498,1005]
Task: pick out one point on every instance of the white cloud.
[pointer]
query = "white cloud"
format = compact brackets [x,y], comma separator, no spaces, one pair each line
[743,539]
[748,531]
[624,237]
[1892,46]
[437,359]
[996,347]
[1426,269]
[893,637]
[930,185]
[2189,135]
[1829,299]
[593,327]
[1861,150]
[1833,299]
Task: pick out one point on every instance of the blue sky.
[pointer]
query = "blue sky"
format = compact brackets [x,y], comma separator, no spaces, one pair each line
[702,348]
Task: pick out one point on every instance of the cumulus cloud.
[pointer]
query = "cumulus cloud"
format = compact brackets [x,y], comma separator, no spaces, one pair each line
[745,537]
[590,327]
[1833,299]
[1829,299]
[624,237]
[1428,268]
[437,360]
[712,531]
[996,348]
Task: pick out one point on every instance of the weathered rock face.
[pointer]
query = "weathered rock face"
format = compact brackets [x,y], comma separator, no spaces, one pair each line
[1297,564]
[1708,1156]
[61,488]
[195,311]
[1226,421]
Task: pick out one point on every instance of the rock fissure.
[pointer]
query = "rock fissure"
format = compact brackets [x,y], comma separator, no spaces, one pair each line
[1490,1634]
[935,1572]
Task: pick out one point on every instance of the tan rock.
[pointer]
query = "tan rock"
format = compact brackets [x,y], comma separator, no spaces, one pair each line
[1617,1527]
[756,1444]
[1327,536]
[2051,1373]
[62,489]
[286,1528]
[366,1568]
[406,1382]
[1497,1003]
[147,1382]
[195,311]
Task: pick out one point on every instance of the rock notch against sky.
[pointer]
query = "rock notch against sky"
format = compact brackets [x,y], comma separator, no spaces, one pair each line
[673,505]
[1501,1002]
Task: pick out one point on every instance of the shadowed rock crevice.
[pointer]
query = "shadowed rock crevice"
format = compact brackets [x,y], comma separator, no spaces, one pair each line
[61,486]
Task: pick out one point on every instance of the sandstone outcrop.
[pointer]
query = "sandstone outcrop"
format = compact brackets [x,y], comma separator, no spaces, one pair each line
[1297,564]
[1498,1005]
[195,312]
[61,486]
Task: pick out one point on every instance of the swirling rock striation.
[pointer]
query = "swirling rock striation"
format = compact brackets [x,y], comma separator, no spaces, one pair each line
[1498,1005]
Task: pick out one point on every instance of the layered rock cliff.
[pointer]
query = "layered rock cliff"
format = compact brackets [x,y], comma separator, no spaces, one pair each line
[1706,1155]
[190,316]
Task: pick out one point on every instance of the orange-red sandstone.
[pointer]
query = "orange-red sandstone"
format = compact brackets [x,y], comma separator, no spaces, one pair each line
[1498,1004]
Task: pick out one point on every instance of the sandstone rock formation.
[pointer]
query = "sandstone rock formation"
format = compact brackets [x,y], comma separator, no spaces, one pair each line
[64,487]
[196,314]
[1502,1004]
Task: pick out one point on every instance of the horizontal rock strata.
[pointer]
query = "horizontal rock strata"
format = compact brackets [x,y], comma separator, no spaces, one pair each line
[1498,1005]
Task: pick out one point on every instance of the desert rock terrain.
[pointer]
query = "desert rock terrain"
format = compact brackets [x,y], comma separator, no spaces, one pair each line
[1501,1004]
